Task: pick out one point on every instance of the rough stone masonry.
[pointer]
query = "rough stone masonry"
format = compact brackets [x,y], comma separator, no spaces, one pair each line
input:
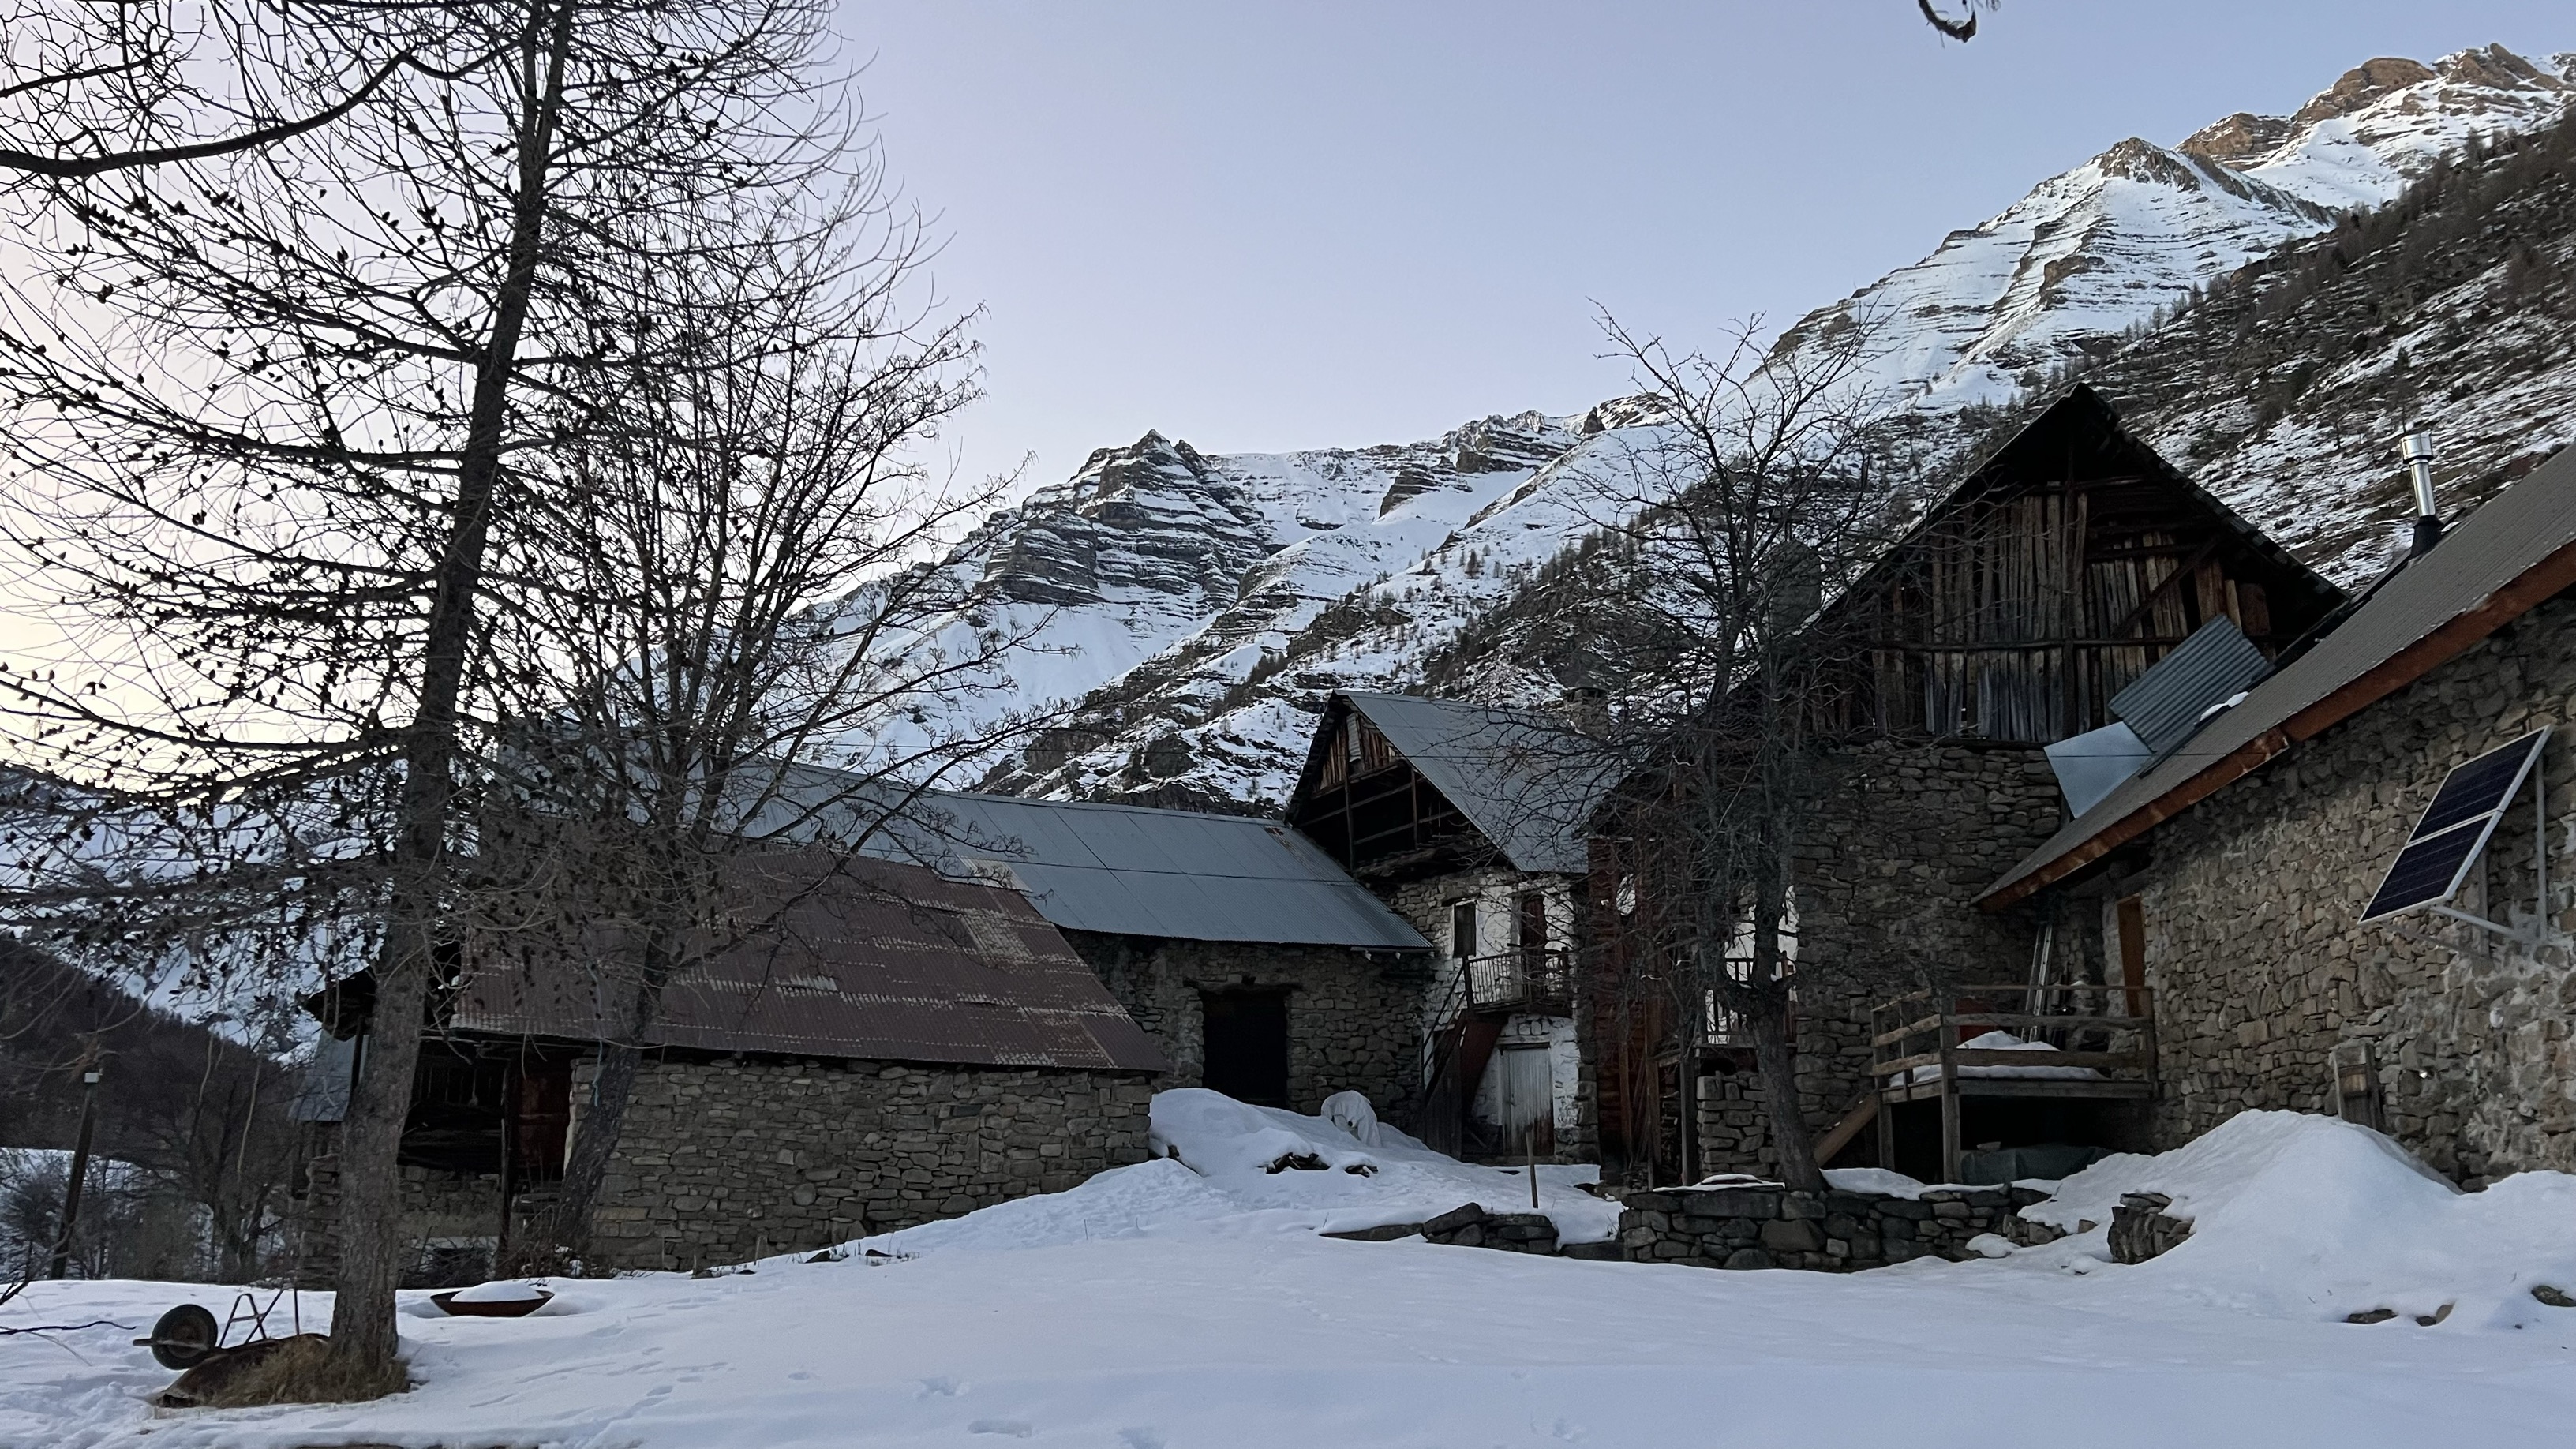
[722,1158]
[2252,902]
[1761,1226]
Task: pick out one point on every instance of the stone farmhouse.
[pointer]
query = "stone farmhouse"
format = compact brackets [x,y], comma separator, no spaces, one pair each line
[2119,774]
[1469,822]
[2250,878]
[979,1009]
[2013,617]
[888,1046]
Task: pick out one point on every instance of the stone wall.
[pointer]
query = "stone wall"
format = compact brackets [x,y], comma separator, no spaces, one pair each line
[1734,1125]
[1770,1227]
[450,1220]
[722,1158]
[2252,901]
[1354,1018]
[1905,838]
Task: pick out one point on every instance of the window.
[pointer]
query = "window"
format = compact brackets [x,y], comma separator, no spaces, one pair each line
[1462,930]
[1529,926]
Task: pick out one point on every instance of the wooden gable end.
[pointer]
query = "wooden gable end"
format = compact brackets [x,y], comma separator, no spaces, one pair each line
[2068,563]
[1370,809]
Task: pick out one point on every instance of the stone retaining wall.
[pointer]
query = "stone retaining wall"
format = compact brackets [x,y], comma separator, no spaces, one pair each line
[1771,1227]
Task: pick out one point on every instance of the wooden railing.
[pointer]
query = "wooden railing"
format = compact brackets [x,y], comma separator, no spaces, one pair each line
[1482,990]
[1532,979]
[2108,1031]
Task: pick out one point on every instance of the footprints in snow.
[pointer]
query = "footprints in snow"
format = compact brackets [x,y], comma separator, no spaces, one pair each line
[949,1388]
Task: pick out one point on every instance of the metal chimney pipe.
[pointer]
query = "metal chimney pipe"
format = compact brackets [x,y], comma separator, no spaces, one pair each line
[2417,450]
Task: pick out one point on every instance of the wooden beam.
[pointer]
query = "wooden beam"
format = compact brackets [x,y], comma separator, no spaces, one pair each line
[2147,605]
[1862,1113]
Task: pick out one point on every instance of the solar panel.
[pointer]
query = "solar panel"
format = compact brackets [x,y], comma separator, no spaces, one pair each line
[2454,828]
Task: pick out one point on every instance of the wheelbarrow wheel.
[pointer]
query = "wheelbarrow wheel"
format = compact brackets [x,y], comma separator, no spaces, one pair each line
[182,1337]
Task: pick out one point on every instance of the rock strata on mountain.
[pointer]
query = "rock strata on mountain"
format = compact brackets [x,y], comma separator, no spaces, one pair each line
[1188,611]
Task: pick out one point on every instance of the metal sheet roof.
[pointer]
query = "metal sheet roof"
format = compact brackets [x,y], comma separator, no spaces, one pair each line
[2499,562]
[845,958]
[1526,784]
[1136,871]
[2165,704]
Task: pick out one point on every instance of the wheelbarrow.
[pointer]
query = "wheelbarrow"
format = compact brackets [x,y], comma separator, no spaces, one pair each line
[188,1339]
[188,1335]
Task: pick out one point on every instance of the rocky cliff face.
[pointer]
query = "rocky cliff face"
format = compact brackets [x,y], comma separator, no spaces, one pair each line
[1187,612]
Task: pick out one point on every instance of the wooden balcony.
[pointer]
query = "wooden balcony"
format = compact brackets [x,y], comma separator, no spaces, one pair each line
[2103,1039]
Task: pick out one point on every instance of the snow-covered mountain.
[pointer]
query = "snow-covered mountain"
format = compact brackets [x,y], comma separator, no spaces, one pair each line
[2097,251]
[1186,612]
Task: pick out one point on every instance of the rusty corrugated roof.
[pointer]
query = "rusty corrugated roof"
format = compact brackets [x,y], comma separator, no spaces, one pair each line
[842,958]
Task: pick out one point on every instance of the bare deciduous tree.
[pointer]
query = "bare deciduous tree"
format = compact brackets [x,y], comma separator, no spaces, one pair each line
[1761,488]
[736,633]
[275,413]
[94,86]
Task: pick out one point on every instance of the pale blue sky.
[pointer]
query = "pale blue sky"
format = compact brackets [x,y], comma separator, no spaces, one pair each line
[1270,225]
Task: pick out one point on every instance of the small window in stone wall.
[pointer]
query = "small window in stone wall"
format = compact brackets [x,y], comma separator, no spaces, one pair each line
[1462,930]
[2355,1089]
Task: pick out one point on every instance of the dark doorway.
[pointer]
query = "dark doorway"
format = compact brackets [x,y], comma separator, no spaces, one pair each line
[1247,1045]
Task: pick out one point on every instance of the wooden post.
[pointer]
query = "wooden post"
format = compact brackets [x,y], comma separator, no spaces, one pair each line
[1878,1083]
[1949,1093]
[1886,1130]
[80,1159]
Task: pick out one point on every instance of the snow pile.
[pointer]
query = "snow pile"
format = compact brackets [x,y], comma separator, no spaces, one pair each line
[1226,1168]
[2000,1041]
[1883,1182]
[502,1291]
[2301,1216]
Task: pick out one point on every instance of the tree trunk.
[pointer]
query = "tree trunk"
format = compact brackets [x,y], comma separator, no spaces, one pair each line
[1777,1060]
[372,1251]
[566,1227]
[365,1339]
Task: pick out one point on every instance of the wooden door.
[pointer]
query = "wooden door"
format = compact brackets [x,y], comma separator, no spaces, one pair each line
[2133,953]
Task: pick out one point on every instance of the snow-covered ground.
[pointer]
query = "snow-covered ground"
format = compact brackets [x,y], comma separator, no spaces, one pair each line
[1156,1308]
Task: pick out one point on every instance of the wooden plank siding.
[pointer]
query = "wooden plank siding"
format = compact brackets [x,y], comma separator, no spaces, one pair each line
[2061,570]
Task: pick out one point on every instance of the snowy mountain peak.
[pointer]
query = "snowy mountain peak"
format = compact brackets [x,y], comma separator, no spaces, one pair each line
[2100,249]
[1187,611]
